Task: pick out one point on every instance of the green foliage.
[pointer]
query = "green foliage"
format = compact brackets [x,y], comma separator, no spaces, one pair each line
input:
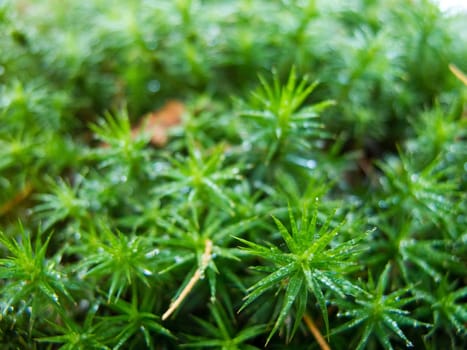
[378,314]
[429,193]
[62,203]
[223,334]
[415,255]
[134,320]
[76,336]
[119,144]
[121,258]
[33,278]
[445,306]
[279,119]
[200,176]
[309,266]
[274,201]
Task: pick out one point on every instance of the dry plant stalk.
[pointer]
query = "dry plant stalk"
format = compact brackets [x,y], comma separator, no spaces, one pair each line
[458,73]
[196,277]
[316,333]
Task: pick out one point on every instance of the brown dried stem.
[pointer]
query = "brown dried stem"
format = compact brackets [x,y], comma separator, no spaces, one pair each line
[316,333]
[196,276]
[458,73]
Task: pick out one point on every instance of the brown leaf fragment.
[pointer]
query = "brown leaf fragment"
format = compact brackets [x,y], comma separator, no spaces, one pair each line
[18,198]
[158,123]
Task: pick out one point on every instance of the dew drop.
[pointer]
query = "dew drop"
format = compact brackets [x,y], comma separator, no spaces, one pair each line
[152,253]
[320,143]
[432,206]
[278,133]
[383,204]
[154,86]
[115,179]
[212,35]
[84,304]
[158,167]
[146,272]
[311,164]
[178,259]
[414,177]
[54,297]
[81,275]
[247,146]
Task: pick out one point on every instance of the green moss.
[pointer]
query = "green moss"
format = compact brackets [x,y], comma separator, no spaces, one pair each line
[323,143]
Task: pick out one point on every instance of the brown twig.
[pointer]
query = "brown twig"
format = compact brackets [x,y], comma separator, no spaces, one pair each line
[20,196]
[197,275]
[316,333]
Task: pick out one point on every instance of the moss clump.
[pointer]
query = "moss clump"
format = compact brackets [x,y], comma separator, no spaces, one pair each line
[247,211]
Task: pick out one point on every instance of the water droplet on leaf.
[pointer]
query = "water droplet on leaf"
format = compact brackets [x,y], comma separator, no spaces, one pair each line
[311,164]
[54,297]
[383,204]
[154,86]
[146,272]
[152,253]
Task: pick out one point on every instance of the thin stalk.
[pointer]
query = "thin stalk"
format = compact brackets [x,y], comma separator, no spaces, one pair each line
[316,333]
[458,73]
[196,276]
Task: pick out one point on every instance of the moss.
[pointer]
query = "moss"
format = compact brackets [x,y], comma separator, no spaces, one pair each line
[307,188]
